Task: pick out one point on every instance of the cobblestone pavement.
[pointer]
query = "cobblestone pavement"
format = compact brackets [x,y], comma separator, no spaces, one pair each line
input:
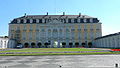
[61,61]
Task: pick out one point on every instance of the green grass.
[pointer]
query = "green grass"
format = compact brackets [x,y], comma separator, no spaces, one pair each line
[49,50]
[42,54]
[54,50]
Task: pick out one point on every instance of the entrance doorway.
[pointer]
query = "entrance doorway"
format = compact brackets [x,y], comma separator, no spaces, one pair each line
[39,45]
[26,45]
[63,44]
[33,45]
[70,44]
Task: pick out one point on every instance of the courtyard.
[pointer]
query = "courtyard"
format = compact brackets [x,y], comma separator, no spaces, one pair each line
[60,61]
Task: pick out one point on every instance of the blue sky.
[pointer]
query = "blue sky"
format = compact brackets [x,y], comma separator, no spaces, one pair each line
[107,11]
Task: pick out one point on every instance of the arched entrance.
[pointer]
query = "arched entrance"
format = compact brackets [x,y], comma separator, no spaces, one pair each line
[26,45]
[76,44]
[55,44]
[83,44]
[33,45]
[70,44]
[39,45]
[46,45]
[90,44]
[63,44]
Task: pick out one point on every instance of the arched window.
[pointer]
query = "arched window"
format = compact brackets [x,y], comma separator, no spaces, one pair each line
[28,21]
[40,20]
[49,30]
[21,21]
[45,20]
[75,21]
[69,20]
[95,20]
[60,30]
[34,20]
[87,20]
[81,20]
[54,30]
[64,20]
[14,21]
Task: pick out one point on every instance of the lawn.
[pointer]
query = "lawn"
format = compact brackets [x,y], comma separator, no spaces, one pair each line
[42,54]
[62,51]
[49,50]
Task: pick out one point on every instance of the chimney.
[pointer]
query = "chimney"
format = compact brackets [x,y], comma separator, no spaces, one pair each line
[63,13]
[79,14]
[25,14]
[47,13]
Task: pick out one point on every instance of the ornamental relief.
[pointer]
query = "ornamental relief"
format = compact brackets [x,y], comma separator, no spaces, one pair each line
[55,21]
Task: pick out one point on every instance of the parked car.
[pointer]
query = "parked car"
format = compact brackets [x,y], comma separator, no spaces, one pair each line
[19,46]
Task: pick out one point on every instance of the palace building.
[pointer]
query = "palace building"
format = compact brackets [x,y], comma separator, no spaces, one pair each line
[36,31]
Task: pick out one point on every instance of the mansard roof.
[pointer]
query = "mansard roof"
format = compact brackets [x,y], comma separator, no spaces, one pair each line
[56,16]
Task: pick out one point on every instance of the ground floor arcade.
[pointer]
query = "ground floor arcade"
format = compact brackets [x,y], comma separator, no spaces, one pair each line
[56,44]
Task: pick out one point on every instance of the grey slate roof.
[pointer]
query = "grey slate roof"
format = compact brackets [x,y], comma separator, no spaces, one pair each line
[56,16]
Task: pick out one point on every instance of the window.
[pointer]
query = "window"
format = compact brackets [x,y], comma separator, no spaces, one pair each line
[60,30]
[1,43]
[67,30]
[40,20]
[49,30]
[28,21]
[72,29]
[14,21]
[54,30]
[45,20]
[34,20]
[75,21]
[43,30]
[21,21]
[97,29]
[69,20]
[95,20]
[79,29]
[64,20]
[81,20]
[4,43]
[85,29]
[91,29]
[61,20]
[88,20]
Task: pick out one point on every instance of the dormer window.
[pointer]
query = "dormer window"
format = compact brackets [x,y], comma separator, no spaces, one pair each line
[45,20]
[14,21]
[34,20]
[87,20]
[28,21]
[69,20]
[40,20]
[75,21]
[21,21]
[64,20]
[95,20]
[81,20]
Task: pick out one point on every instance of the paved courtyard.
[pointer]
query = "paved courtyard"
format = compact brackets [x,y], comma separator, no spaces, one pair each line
[66,61]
